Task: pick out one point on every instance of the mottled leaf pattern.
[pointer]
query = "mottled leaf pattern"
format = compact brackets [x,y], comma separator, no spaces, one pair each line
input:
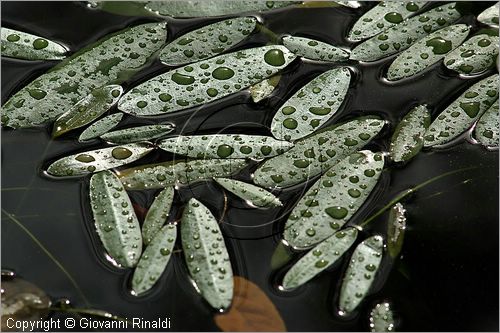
[100,127]
[314,49]
[488,126]
[474,56]
[254,195]
[139,133]
[382,318]
[22,45]
[264,88]
[490,15]
[157,214]
[396,227]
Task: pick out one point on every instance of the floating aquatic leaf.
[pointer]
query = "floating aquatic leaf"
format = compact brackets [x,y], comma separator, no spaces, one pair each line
[100,127]
[254,195]
[490,15]
[381,17]
[333,199]
[463,112]
[114,218]
[225,146]
[320,258]
[160,175]
[88,109]
[138,133]
[408,137]
[129,8]
[315,154]
[427,51]
[281,256]
[314,49]
[312,105]
[359,276]
[108,61]
[474,56]
[154,260]
[264,88]
[403,35]
[396,229]
[205,81]
[157,214]
[97,160]
[22,45]
[381,318]
[488,126]
[206,255]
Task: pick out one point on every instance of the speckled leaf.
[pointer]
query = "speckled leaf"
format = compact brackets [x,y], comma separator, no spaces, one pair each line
[314,49]
[488,126]
[381,17]
[108,61]
[463,112]
[206,255]
[252,194]
[490,15]
[312,105]
[157,214]
[359,276]
[408,137]
[333,199]
[88,109]
[22,45]
[264,88]
[474,56]
[139,133]
[205,81]
[427,51]
[320,258]
[382,318]
[114,218]
[97,160]
[403,35]
[154,260]
[315,154]
[396,227]
[100,127]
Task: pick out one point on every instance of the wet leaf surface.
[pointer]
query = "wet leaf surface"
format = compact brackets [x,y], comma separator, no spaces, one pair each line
[157,214]
[314,49]
[252,194]
[139,133]
[264,88]
[382,318]
[396,228]
[100,127]
[488,126]
[490,15]
[22,45]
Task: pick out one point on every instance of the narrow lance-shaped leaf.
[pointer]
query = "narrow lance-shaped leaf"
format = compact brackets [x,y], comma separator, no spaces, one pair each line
[463,112]
[312,105]
[322,256]
[490,15]
[97,160]
[427,51]
[314,49]
[254,195]
[408,137]
[157,214]
[22,45]
[139,133]
[205,81]
[333,199]
[100,127]
[264,88]
[474,56]
[207,41]
[206,255]
[115,220]
[109,60]
[360,274]
[154,260]
[396,227]
[382,318]
[488,127]
[315,154]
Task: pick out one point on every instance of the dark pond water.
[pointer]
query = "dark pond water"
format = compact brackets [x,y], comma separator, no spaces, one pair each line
[445,280]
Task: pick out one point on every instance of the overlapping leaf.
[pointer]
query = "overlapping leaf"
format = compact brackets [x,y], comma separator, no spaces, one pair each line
[488,127]
[138,133]
[396,227]
[264,88]
[22,45]
[382,318]
[254,195]
[314,49]
[157,214]
[100,127]
[490,15]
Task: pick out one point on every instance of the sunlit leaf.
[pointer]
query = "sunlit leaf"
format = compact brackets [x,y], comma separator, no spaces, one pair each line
[382,318]
[488,126]
[314,49]
[22,45]
[264,88]
[396,227]
[157,214]
[490,15]
[254,195]
[100,127]
[136,134]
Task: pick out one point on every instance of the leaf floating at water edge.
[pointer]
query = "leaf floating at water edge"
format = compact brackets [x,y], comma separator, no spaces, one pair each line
[320,258]
[97,160]
[396,229]
[157,214]
[488,127]
[128,8]
[264,88]
[350,4]
[154,260]
[114,218]
[490,15]
[206,255]
[139,133]
[382,318]
[474,56]
[100,127]
[256,196]
[314,49]
[22,45]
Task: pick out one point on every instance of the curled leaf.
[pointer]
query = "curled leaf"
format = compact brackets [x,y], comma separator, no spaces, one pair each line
[490,15]
[314,49]
[254,195]
[382,318]
[396,227]
[157,214]
[22,45]
[100,127]
[488,126]
[139,133]
[264,88]
[474,56]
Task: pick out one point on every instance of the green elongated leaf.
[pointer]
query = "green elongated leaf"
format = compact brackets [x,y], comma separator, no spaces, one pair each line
[154,260]
[100,127]
[403,35]
[160,175]
[320,258]
[382,318]
[463,112]
[206,255]
[114,218]
[254,195]
[157,214]
[333,199]
[408,137]
[359,276]
[381,17]
[207,41]
[317,153]
[225,146]
[264,88]
[314,49]
[138,133]
[396,229]
[488,126]
[312,105]
[427,51]
[205,81]
[88,109]
[22,45]
[490,15]
[474,56]
[97,160]
[108,61]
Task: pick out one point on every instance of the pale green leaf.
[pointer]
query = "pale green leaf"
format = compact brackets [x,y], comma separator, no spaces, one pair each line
[22,45]
[474,56]
[138,133]
[488,126]
[157,214]
[100,127]
[252,194]
[396,227]
[314,49]
[490,15]
[382,318]
[264,88]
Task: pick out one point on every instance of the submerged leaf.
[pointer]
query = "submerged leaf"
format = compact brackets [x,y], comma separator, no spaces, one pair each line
[312,105]
[114,218]
[254,195]
[139,133]
[488,126]
[264,88]
[205,81]
[381,318]
[474,56]
[22,45]
[157,214]
[396,227]
[100,127]
[333,199]
[97,160]
[490,15]
[206,255]
[281,256]
[463,112]
[314,49]
[320,258]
